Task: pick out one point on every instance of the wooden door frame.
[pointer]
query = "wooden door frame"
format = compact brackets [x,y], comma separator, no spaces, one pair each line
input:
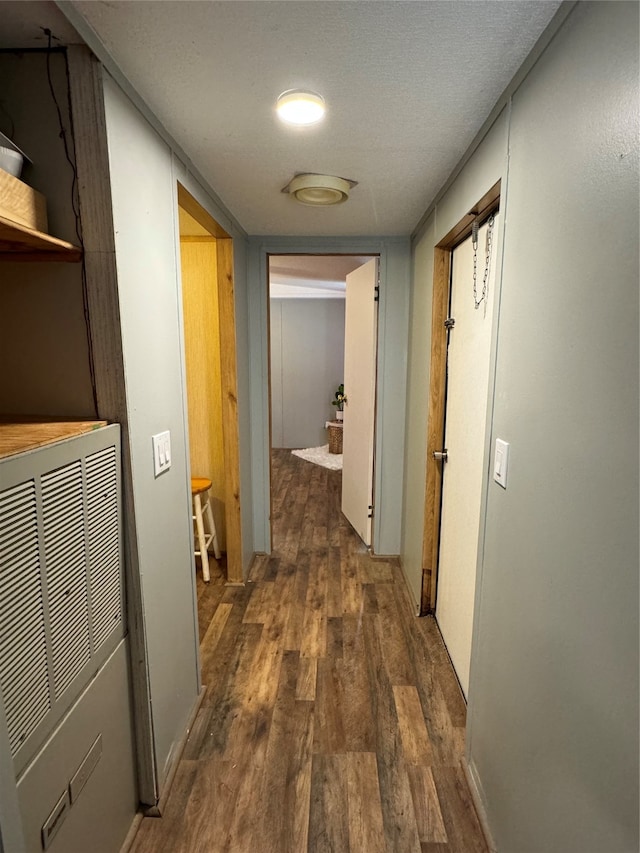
[488,204]
[229,381]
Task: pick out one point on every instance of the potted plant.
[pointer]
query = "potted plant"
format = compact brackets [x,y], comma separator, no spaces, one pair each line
[338,401]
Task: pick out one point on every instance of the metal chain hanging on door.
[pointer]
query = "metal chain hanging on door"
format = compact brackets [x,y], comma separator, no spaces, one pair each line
[474,242]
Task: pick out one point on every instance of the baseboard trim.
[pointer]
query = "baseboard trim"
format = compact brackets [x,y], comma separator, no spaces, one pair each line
[478,801]
[255,556]
[156,811]
[131,835]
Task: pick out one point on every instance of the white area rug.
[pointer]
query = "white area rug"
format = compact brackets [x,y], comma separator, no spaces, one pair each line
[321,456]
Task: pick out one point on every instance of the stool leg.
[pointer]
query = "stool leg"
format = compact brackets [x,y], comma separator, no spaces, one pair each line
[212,529]
[202,542]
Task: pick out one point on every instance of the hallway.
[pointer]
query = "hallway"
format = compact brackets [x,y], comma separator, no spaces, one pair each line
[332,720]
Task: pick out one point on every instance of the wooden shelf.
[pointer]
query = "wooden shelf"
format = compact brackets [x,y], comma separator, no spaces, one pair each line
[19,243]
[27,432]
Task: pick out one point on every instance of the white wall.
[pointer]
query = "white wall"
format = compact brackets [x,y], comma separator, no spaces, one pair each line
[553,701]
[307,364]
[144,175]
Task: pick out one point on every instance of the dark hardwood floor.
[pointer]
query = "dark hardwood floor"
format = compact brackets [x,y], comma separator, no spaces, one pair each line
[332,721]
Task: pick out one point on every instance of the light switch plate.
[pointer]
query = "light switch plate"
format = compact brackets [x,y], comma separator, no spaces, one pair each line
[501,463]
[161,452]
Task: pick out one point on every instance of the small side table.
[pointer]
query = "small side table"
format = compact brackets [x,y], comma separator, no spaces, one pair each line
[335,436]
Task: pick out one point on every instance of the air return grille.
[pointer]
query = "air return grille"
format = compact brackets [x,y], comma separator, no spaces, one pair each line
[104,543]
[61,608]
[63,526]
[23,647]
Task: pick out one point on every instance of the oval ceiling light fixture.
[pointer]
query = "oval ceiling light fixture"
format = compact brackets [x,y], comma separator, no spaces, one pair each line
[297,106]
[320,190]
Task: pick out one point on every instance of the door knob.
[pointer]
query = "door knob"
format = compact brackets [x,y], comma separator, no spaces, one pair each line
[441,456]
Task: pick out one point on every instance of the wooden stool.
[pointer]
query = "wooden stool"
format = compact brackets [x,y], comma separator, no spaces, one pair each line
[200,486]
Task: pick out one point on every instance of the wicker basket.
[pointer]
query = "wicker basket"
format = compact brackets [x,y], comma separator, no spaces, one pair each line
[335,437]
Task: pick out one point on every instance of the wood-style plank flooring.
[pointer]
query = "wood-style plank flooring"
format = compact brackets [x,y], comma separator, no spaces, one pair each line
[332,721]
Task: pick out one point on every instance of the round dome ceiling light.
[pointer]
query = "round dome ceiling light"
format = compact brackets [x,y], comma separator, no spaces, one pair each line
[295,106]
[319,189]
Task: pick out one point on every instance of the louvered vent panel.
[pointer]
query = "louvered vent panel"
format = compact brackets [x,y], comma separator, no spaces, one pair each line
[104,550]
[63,526]
[23,651]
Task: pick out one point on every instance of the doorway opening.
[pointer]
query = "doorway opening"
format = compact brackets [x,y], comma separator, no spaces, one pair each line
[459,389]
[206,259]
[309,359]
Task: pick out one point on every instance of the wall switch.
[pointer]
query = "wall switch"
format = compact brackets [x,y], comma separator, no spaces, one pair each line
[161,452]
[501,463]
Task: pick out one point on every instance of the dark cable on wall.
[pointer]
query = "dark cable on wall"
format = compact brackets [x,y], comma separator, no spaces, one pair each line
[75,203]
[63,136]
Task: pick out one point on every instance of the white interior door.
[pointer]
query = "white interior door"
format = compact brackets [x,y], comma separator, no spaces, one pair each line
[465,422]
[360,339]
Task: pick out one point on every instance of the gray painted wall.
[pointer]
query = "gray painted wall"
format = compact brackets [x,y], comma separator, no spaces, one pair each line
[143,192]
[144,175]
[553,701]
[557,632]
[307,364]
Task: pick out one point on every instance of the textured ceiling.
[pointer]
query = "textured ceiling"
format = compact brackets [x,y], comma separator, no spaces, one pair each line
[407,86]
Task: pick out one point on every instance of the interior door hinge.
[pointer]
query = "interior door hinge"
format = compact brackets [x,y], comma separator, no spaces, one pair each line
[376,298]
[370,514]
[449,323]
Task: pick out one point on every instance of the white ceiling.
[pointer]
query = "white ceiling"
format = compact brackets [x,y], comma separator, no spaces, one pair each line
[311,276]
[407,86]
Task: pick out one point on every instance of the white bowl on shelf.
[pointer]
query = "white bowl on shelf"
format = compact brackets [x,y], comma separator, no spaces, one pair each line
[11,161]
